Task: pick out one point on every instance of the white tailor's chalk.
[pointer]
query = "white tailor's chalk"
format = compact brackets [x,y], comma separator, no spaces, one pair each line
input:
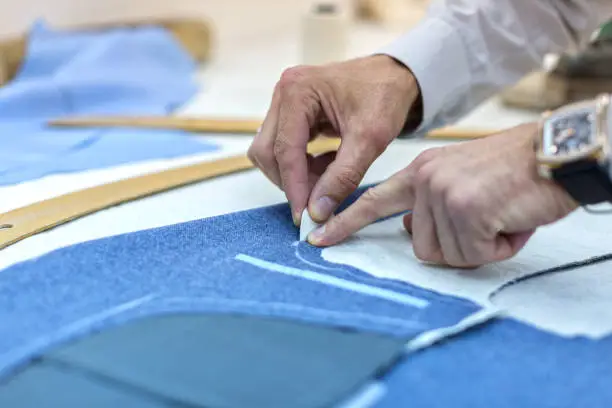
[307,225]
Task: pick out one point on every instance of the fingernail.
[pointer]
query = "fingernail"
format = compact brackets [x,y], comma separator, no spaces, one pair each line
[296,218]
[323,208]
[316,236]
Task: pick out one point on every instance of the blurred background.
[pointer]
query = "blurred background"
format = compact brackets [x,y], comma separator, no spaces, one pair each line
[232,18]
[239,18]
[250,43]
[268,35]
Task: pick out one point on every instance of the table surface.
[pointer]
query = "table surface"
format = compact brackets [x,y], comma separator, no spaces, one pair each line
[237,83]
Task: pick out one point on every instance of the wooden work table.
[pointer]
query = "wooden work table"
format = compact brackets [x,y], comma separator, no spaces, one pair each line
[237,83]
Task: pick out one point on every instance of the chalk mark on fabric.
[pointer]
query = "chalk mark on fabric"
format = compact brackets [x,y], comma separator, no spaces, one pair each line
[336,282]
[361,276]
[296,244]
[431,337]
[33,347]
[367,397]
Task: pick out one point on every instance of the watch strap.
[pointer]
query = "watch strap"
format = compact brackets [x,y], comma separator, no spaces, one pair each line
[585,180]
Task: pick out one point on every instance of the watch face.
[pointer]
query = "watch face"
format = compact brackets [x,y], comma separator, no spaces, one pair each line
[572,133]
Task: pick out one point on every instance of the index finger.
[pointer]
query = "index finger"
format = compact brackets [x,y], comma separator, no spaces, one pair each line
[393,196]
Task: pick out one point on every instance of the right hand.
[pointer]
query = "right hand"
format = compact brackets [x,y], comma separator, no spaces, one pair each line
[363,101]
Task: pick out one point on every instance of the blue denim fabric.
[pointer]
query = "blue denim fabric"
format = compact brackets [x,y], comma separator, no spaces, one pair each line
[193,267]
[50,385]
[505,364]
[141,71]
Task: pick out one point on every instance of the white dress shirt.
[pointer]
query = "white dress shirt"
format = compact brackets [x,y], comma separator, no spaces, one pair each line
[465,51]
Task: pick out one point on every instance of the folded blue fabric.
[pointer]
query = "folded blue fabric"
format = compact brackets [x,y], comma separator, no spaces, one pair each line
[123,71]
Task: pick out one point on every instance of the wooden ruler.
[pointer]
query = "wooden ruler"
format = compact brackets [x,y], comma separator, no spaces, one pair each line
[234,126]
[196,125]
[24,222]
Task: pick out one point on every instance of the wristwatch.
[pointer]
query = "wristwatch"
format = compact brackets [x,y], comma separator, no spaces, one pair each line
[573,149]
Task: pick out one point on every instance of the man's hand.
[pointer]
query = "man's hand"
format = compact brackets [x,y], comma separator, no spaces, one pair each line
[363,101]
[472,203]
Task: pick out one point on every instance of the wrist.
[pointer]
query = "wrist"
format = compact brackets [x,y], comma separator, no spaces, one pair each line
[401,76]
[408,85]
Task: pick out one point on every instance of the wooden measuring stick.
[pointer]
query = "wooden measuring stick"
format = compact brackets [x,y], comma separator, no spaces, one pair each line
[24,222]
[235,126]
[197,125]
[21,223]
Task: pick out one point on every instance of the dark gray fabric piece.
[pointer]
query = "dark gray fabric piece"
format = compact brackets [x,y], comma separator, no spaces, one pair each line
[45,385]
[228,361]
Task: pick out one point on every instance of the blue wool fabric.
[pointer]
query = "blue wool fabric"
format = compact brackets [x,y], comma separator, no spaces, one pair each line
[248,263]
[194,267]
[123,71]
[505,364]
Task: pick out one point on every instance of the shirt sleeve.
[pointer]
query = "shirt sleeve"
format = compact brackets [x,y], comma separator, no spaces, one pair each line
[465,51]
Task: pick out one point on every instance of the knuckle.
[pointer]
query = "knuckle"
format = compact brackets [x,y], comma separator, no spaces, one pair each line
[348,178]
[305,101]
[439,186]
[371,195]
[281,147]
[476,255]
[423,252]
[252,154]
[266,160]
[462,201]
[427,156]
[379,141]
[419,251]
[255,150]
[380,135]
[292,76]
[339,227]
[336,225]
[370,199]
[424,175]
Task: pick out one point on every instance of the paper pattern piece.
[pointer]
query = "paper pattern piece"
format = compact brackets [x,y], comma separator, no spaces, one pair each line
[137,71]
[251,263]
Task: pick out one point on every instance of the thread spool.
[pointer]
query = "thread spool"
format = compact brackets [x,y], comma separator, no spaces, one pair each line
[324,34]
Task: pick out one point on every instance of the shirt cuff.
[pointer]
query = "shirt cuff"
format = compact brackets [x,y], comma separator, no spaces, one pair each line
[437,57]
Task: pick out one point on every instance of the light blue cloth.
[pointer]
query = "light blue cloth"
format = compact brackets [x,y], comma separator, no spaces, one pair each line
[123,71]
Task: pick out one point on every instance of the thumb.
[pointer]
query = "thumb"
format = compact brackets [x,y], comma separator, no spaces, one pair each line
[343,176]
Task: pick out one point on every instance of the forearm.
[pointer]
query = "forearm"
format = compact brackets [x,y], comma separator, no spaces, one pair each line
[465,51]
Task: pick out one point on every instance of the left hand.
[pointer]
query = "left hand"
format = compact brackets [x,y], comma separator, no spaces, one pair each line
[472,203]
